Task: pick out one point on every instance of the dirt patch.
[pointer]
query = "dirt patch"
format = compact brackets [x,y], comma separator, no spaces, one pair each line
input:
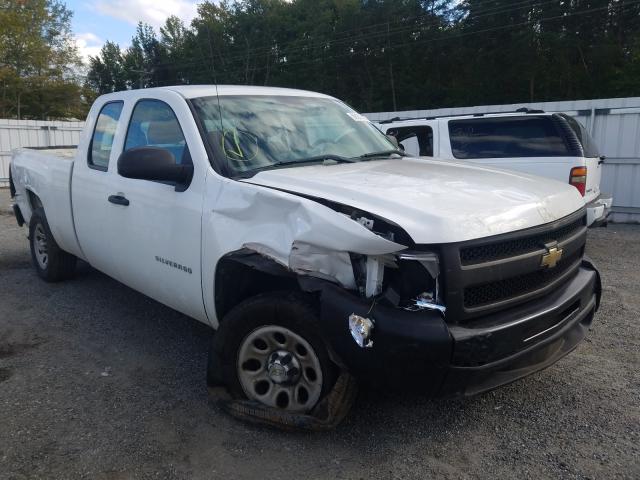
[5,202]
[11,347]
[5,374]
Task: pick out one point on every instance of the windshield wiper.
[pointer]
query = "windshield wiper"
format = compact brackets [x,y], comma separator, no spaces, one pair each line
[317,158]
[384,153]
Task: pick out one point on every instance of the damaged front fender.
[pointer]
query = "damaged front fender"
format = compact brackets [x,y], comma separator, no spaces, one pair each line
[306,259]
[304,236]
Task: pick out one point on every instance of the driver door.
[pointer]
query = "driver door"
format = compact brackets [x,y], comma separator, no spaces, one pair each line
[156,229]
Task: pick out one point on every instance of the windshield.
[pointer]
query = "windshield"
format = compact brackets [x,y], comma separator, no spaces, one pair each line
[257,132]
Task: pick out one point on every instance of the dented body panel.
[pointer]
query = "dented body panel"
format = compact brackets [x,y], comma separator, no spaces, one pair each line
[298,233]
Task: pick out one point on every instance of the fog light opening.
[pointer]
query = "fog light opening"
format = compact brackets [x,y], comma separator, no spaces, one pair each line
[361,329]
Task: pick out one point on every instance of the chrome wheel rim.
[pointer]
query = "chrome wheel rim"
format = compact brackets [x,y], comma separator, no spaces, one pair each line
[280,369]
[40,246]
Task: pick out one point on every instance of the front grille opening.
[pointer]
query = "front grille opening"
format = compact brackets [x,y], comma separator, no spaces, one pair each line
[511,248]
[493,292]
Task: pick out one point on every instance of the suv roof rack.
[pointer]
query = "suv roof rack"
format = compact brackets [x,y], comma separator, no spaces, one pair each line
[433,117]
[529,110]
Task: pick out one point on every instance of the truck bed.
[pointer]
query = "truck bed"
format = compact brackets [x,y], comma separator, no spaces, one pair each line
[45,174]
[67,152]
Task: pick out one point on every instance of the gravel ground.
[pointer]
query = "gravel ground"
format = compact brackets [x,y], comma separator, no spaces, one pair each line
[100,382]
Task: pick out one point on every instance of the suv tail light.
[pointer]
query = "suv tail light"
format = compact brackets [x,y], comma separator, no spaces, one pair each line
[578,178]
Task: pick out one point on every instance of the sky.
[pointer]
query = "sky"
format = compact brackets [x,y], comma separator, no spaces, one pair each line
[95,22]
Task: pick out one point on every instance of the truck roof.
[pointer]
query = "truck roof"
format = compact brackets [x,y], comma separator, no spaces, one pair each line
[194,91]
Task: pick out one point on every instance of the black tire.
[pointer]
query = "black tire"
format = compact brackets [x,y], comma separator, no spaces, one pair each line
[290,310]
[59,265]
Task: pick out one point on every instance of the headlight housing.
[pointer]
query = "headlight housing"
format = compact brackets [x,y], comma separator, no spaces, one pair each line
[409,279]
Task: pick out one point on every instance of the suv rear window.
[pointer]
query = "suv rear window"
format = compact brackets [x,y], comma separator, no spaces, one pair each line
[588,145]
[506,137]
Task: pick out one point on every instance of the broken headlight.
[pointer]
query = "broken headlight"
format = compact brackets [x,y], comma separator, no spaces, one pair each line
[408,279]
[417,281]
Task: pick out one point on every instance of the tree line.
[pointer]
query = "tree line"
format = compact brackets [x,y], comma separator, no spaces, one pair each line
[381,55]
[40,69]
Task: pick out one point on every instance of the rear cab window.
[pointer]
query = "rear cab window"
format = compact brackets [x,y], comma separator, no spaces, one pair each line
[505,137]
[103,134]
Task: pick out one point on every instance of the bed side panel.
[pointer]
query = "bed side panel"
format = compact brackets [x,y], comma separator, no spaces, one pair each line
[47,176]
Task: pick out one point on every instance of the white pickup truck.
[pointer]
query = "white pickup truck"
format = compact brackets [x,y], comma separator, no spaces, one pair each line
[552,145]
[288,223]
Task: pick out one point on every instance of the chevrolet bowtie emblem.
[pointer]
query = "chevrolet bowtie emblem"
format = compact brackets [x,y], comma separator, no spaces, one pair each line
[552,257]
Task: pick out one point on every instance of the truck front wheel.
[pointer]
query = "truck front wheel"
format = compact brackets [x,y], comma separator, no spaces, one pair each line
[269,351]
[51,262]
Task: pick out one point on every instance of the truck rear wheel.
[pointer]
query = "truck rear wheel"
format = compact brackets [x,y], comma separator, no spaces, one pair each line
[51,262]
[268,350]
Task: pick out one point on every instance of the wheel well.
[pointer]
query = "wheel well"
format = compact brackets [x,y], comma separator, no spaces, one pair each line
[34,200]
[244,274]
[12,187]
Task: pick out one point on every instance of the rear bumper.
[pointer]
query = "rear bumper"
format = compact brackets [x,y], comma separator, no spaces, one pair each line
[420,351]
[599,210]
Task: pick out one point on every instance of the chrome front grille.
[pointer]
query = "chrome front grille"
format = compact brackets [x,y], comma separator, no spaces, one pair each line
[501,290]
[487,275]
[511,248]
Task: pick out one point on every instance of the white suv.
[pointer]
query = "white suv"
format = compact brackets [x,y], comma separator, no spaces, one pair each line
[551,145]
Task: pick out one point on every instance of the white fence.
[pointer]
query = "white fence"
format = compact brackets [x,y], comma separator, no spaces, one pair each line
[33,133]
[614,123]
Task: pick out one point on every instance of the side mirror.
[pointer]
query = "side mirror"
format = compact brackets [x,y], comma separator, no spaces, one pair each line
[154,163]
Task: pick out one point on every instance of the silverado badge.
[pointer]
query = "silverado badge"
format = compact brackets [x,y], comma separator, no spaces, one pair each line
[552,257]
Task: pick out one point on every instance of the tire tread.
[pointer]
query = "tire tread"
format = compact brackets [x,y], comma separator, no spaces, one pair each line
[61,265]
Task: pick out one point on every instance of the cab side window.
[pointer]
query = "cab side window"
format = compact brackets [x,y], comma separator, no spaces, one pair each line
[103,133]
[416,141]
[154,124]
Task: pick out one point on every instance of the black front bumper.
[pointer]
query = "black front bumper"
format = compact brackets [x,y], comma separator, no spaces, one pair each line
[421,351]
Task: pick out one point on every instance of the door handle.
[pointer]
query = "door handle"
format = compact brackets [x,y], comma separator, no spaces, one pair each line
[118,200]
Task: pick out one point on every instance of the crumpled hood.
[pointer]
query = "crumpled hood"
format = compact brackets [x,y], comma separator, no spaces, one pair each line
[434,201]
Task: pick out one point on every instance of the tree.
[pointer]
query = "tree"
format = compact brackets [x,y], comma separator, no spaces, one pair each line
[38,59]
[107,71]
[142,60]
[174,41]
[396,54]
